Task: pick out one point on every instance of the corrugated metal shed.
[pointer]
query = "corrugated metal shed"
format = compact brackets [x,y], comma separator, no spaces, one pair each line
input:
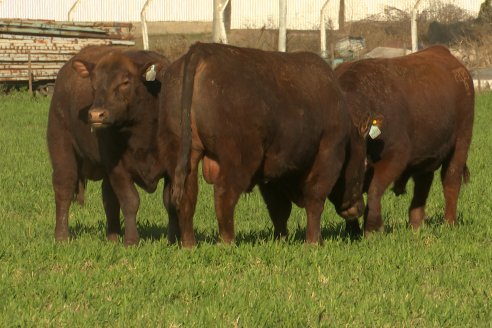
[302,14]
[108,10]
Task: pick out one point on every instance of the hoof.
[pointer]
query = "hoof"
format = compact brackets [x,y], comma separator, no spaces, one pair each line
[61,239]
[352,227]
[369,233]
[131,241]
[61,236]
[112,237]
[415,224]
[188,244]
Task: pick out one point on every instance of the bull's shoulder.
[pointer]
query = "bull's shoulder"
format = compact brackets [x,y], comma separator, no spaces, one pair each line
[95,52]
[137,55]
[439,50]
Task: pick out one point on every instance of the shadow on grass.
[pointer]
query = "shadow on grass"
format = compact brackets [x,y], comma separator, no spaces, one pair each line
[439,220]
[432,222]
[155,231]
[80,228]
[298,235]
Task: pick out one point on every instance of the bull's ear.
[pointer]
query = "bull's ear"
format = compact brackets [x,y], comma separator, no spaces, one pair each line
[371,125]
[149,71]
[82,68]
[364,125]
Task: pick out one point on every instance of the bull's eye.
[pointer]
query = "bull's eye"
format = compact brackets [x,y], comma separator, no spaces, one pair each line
[121,90]
[125,83]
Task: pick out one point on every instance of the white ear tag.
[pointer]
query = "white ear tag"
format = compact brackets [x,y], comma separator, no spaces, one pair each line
[150,74]
[374,131]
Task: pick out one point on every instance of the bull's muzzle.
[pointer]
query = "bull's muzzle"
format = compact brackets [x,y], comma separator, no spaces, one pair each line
[99,117]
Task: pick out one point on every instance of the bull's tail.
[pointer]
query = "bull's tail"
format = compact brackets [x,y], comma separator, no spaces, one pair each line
[466,174]
[191,61]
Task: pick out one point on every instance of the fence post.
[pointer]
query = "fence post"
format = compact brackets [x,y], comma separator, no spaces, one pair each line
[415,45]
[322,30]
[218,29]
[143,18]
[29,72]
[282,25]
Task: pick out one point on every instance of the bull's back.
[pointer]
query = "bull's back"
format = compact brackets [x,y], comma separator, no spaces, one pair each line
[441,101]
[423,97]
[275,103]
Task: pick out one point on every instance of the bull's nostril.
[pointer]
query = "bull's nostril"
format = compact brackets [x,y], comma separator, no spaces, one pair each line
[101,115]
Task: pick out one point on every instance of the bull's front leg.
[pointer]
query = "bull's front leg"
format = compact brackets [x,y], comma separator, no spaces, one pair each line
[173,225]
[112,210]
[129,201]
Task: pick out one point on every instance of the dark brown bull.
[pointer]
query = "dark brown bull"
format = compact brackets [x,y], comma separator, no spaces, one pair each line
[102,125]
[271,119]
[424,104]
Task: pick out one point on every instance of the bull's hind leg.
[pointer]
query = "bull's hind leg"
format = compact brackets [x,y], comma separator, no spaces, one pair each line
[112,209]
[226,196]
[187,205]
[279,208]
[318,185]
[173,225]
[452,172]
[416,212]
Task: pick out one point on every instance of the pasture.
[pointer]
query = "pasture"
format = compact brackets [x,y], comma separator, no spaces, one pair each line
[440,276]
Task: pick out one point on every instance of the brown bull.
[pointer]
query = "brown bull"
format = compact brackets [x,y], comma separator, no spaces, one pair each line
[270,119]
[102,125]
[424,107]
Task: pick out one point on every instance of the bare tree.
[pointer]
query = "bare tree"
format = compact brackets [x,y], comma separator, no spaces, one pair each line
[218,28]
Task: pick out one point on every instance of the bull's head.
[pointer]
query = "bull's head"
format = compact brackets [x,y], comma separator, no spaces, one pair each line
[347,193]
[115,79]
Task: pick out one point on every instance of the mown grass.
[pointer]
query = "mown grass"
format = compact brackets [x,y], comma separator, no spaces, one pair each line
[439,276]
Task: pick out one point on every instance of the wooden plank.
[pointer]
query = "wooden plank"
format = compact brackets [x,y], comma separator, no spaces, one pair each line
[36,50]
[34,65]
[12,59]
[70,28]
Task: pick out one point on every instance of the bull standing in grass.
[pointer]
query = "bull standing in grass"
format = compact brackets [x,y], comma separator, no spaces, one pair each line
[423,106]
[102,125]
[270,119]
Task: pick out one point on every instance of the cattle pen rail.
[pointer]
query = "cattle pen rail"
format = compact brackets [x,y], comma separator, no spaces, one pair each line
[33,51]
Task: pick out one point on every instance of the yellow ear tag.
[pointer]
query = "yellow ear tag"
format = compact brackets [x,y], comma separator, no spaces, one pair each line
[374,131]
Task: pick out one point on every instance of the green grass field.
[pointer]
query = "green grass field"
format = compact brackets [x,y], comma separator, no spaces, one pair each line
[440,276]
